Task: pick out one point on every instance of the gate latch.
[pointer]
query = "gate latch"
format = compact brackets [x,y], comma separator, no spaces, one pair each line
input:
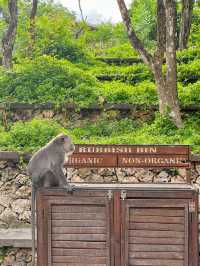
[123,194]
[192,206]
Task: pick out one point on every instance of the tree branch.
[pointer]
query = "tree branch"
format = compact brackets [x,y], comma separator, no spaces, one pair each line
[135,41]
[32,23]
[161,32]
[81,10]
[186,21]
[9,37]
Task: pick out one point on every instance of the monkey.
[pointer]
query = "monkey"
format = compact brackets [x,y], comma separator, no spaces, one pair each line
[46,170]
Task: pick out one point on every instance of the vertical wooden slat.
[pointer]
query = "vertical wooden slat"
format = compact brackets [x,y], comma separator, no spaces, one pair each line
[40,232]
[111,232]
[194,231]
[187,241]
[49,236]
[117,228]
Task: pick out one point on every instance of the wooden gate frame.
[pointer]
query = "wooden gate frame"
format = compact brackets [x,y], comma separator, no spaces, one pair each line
[116,199]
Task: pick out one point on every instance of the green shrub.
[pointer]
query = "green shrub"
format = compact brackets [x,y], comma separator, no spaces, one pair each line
[104,128]
[189,73]
[121,51]
[129,74]
[118,92]
[188,55]
[48,79]
[29,135]
[69,50]
[189,94]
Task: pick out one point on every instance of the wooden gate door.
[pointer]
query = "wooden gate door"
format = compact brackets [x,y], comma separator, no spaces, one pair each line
[156,232]
[75,230]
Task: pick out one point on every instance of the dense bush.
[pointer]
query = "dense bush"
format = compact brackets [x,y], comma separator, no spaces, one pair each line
[121,51]
[30,136]
[190,94]
[48,79]
[118,92]
[189,73]
[188,55]
[129,74]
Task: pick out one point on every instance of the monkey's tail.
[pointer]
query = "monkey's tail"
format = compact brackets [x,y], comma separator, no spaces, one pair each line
[33,223]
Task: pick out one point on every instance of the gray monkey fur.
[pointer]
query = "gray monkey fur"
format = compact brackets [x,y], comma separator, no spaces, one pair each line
[46,170]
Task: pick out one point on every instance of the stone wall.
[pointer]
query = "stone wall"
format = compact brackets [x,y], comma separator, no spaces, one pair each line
[15,194]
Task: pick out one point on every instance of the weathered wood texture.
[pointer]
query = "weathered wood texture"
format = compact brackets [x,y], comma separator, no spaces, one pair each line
[149,156]
[78,230]
[118,226]
[130,156]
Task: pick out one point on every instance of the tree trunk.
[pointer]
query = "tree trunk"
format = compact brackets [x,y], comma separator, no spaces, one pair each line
[186,21]
[9,36]
[171,75]
[166,42]
[32,25]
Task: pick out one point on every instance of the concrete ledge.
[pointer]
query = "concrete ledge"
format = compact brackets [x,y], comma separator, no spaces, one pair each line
[18,238]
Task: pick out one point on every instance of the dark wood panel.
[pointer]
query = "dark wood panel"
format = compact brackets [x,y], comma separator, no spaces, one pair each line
[155,248]
[91,160]
[156,219]
[78,230]
[157,212]
[78,244]
[76,264]
[153,161]
[78,209]
[79,237]
[157,226]
[131,149]
[161,241]
[78,259]
[158,262]
[78,252]
[158,234]
[157,255]
[78,216]
[83,223]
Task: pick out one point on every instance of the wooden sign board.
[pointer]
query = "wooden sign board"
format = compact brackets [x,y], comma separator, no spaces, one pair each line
[130,156]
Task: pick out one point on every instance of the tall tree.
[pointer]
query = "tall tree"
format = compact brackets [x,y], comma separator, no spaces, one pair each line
[166,44]
[186,21]
[32,24]
[8,39]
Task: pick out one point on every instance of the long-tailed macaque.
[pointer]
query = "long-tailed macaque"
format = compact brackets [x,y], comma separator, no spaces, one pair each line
[46,170]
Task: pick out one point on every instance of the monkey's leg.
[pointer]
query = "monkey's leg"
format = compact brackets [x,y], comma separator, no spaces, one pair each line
[50,179]
[63,180]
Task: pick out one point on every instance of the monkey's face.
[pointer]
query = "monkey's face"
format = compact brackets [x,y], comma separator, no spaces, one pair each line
[68,146]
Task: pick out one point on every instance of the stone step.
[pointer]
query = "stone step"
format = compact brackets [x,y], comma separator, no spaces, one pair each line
[19,238]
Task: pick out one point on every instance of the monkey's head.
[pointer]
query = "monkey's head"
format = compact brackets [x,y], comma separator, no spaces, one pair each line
[65,142]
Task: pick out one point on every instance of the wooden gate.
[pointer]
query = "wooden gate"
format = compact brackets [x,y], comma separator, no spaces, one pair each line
[118,225]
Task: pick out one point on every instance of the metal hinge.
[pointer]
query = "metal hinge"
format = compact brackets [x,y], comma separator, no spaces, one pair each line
[123,194]
[192,206]
[110,194]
